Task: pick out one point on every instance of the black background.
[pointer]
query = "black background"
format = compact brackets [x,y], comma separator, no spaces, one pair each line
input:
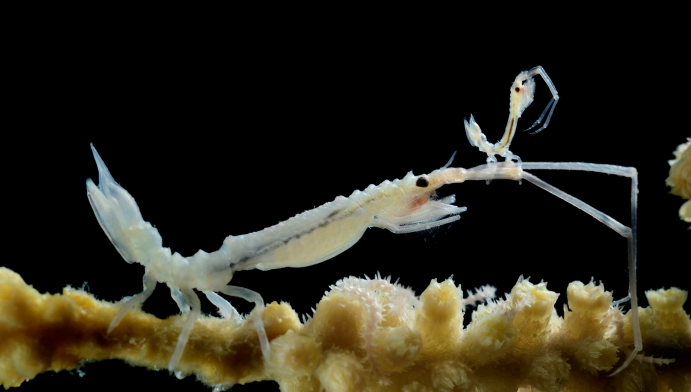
[220,131]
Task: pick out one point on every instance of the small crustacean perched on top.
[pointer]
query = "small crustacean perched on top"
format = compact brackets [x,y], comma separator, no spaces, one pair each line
[401,206]
[522,93]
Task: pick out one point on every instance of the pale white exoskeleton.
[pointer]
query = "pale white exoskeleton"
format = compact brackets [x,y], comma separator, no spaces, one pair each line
[401,206]
[522,92]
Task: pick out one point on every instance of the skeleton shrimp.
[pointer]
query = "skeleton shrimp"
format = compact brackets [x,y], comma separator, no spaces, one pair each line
[401,206]
[522,93]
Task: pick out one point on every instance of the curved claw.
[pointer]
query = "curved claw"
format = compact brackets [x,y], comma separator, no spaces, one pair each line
[253,296]
[119,216]
[553,102]
[477,138]
[192,316]
[132,303]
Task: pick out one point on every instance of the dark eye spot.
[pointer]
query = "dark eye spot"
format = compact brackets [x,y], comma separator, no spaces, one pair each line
[422,182]
[518,89]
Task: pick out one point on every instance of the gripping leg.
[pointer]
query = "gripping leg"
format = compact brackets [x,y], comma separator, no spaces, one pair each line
[553,102]
[252,296]
[478,139]
[120,218]
[149,286]
[192,316]
[180,300]
[629,233]
[226,310]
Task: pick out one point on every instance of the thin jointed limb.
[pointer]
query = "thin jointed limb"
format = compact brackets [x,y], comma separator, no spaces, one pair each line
[628,232]
[192,299]
[508,170]
[552,102]
[588,209]
[226,310]
[252,296]
[180,300]
[138,299]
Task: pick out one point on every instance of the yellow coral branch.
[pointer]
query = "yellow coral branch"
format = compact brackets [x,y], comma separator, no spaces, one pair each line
[679,178]
[367,335]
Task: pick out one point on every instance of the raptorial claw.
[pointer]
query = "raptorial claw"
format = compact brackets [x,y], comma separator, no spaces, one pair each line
[119,216]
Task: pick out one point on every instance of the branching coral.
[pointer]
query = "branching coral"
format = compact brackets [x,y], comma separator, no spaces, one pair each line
[369,335]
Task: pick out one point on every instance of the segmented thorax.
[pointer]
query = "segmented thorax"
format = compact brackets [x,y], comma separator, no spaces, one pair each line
[203,271]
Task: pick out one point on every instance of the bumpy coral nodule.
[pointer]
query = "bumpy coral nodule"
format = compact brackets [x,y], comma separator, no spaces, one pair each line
[680,178]
[369,334]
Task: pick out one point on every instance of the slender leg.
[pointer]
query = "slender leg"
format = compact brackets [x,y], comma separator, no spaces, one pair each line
[384,223]
[227,310]
[192,316]
[138,299]
[595,213]
[553,102]
[630,233]
[180,300]
[450,160]
[505,171]
[252,296]
[637,338]
[620,301]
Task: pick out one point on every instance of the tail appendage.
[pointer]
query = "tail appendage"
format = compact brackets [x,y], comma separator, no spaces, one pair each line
[120,218]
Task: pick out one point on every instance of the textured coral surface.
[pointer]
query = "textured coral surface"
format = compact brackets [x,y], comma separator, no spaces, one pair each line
[369,335]
[679,178]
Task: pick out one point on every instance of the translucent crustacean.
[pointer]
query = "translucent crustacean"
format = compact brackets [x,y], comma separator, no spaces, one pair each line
[401,206]
[522,93]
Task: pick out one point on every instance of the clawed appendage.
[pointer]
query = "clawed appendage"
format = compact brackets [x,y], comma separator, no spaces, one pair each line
[195,311]
[252,296]
[185,297]
[137,241]
[522,93]
[133,302]
[189,304]
[226,310]
[552,102]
